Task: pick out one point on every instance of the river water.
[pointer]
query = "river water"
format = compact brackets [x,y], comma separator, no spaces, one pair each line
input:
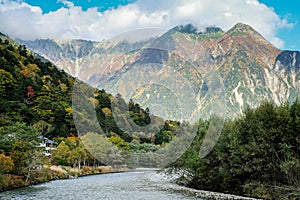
[137,185]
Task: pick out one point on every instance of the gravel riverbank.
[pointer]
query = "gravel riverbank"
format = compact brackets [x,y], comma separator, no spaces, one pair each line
[167,182]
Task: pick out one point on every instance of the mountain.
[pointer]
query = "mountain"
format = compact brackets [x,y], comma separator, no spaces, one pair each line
[35,93]
[201,73]
[81,58]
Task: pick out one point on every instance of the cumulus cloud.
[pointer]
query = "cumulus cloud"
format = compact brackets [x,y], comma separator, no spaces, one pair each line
[21,20]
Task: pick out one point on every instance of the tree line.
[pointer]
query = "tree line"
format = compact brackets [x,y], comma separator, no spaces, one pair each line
[257,154]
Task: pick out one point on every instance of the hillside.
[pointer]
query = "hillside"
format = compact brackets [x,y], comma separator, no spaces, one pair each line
[237,68]
[35,92]
[39,99]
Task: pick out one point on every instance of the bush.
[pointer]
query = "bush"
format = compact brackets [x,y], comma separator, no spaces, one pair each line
[8,182]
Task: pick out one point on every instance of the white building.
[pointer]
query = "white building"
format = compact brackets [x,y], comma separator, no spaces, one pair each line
[47,144]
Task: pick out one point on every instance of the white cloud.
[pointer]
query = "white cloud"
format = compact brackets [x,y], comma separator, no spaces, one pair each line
[19,19]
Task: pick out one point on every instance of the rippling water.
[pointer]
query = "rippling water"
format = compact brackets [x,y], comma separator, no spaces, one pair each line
[130,185]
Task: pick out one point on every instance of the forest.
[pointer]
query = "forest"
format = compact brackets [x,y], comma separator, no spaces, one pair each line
[257,154]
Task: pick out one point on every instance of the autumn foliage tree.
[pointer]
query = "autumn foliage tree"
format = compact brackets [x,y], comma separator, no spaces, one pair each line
[6,164]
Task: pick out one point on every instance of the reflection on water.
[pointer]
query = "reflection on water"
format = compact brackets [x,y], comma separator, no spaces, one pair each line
[130,185]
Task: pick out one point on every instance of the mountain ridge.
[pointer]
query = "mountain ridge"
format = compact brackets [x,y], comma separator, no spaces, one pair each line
[249,67]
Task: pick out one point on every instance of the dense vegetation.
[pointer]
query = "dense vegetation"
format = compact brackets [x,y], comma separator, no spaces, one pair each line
[257,154]
[35,99]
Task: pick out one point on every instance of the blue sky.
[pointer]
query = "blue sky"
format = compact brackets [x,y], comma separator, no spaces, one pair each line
[276,20]
[288,9]
[102,5]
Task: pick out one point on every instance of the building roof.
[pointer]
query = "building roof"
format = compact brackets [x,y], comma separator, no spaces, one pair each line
[47,140]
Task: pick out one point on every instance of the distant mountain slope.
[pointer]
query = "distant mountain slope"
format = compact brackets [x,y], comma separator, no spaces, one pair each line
[237,68]
[35,92]
[79,57]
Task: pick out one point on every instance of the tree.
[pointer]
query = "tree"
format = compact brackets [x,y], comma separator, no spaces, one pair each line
[61,154]
[78,156]
[35,159]
[43,127]
[12,134]
[164,136]
[7,83]
[119,142]
[101,148]
[30,95]
[19,155]
[6,164]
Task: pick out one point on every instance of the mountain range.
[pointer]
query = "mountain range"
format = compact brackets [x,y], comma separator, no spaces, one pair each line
[188,73]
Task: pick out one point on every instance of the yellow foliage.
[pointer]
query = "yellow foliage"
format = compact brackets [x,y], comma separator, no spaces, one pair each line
[107,112]
[33,68]
[45,88]
[69,110]
[46,79]
[119,142]
[63,87]
[6,164]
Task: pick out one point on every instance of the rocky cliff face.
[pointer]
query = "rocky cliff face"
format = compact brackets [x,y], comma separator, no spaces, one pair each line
[213,69]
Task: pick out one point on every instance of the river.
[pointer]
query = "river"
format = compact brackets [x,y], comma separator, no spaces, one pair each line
[137,185]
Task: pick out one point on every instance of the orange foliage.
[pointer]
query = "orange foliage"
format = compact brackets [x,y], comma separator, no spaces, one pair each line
[30,91]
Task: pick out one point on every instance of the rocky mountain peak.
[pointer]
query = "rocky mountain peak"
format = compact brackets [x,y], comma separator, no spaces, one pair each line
[242,28]
[251,68]
[243,41]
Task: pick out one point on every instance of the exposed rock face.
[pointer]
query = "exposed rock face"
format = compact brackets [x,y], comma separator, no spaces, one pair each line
[237,68]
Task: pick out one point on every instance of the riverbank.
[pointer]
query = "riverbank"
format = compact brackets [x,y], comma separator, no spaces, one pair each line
[50,173]
[253,192]
[169,182]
